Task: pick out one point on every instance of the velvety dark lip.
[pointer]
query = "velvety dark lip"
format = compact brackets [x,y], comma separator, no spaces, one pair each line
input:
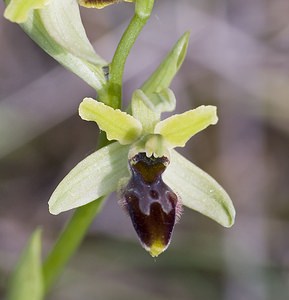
[151,204]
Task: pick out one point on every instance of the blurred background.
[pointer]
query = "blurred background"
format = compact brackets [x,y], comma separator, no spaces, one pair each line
[238,59]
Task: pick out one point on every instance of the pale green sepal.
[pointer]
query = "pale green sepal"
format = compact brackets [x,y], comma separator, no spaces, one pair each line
[62,21]
[92,74]
[18,10]
[27,280]
[198,190]
[178,129]
[166,71]
[95,176]
[117,124]
[162,101]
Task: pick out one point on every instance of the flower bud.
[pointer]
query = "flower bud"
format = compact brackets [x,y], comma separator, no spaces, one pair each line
[99,3]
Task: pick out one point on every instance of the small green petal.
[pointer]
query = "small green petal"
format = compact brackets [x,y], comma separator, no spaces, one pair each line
[178,129]
[62,21]
[166,71]
[95,176]
[151,144]
[18,10]
[27,280]
[198,190]
[117,124]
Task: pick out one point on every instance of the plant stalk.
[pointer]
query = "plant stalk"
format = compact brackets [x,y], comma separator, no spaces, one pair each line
[142,13]
[69,240]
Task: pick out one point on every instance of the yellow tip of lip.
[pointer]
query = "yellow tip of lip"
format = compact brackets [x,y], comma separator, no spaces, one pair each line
[157,248]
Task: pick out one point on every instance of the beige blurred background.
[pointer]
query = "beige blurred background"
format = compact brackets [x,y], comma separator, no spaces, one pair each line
[238,59]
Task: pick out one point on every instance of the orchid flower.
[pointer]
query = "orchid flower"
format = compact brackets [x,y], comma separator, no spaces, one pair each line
[152,179]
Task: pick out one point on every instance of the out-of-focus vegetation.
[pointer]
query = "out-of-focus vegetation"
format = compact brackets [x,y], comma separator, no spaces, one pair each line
[238,59]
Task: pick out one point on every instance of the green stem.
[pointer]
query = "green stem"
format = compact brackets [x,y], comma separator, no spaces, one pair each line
[142,14]
[69,240]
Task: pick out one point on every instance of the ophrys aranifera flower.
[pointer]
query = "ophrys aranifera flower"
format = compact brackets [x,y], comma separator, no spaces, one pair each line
[152,178]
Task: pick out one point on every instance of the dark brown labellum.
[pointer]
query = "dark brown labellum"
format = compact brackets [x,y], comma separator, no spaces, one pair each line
[151,204]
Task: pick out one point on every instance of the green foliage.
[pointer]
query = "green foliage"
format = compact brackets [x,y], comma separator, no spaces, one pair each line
[27,282]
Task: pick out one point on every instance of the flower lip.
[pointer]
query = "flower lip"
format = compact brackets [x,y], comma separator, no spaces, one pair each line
[152,206]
